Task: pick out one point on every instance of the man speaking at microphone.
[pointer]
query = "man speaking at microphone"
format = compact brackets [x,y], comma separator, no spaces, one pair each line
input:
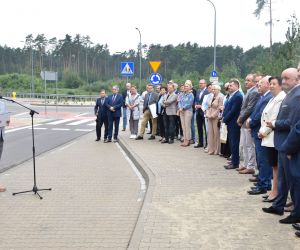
[3,123]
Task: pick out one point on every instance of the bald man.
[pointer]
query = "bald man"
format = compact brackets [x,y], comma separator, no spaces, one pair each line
[288,174]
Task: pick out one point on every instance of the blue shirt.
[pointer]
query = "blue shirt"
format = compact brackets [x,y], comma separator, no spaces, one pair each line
[186,102]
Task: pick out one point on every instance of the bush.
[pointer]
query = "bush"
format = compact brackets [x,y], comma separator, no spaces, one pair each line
[72,80]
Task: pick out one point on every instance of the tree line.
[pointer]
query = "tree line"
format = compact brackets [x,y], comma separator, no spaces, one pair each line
[80,62]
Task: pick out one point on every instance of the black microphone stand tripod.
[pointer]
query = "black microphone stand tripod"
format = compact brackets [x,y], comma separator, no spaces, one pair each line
[35,190]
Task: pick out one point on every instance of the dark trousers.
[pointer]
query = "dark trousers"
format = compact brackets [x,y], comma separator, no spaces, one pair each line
[178,128]
[234,135]
[284,177]
[169,123]
[113,121]
[200,120]
[265,170]
[160,126]
[99,123]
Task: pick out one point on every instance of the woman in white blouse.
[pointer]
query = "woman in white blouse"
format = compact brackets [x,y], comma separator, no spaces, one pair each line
[269,114]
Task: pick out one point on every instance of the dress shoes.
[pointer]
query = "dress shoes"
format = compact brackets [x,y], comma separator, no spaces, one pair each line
[107,140]
[247,171]
[290,220]
[198,146]
[297,233]
[98,139]
[241,168]
[272,210]
[269,200]
[164,141]
[152,137]
[139,137]
[257,191]
[296,226]
[171,141]
[230,167]
[253,179]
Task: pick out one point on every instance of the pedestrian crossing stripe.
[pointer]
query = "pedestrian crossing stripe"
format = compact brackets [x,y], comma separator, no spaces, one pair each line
[127,70]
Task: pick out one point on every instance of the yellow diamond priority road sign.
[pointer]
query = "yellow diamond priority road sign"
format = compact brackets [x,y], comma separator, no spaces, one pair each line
[155,65]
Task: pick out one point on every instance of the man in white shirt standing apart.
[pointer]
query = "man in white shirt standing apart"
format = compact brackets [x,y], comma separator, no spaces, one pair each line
[2,130]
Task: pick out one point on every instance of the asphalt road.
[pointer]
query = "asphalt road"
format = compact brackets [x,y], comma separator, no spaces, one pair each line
[51,130]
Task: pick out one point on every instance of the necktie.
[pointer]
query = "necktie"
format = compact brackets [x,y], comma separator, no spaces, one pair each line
[114,98]
[149,98]
[102,101]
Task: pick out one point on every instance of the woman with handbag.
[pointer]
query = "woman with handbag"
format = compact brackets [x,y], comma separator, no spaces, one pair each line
[212,115]
[133,115]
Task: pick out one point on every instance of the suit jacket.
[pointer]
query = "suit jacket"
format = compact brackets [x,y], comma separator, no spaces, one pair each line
[153,99]
[116,104]
[291,146]
[124,95]
[232,110]
[287,116]
[213,110]
[170,104]
[199,101]
[249,102]
[255,122]
[99,109]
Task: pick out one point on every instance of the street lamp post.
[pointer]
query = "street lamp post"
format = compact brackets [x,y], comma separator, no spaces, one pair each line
[215,32]
[140,51]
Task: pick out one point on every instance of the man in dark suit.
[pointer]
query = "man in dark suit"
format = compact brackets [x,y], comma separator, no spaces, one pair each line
[288,172]
[230,115]
[291,147]
[254,123]
[150,98]
[200,120]
[100,110]
[114,104]
[125,93]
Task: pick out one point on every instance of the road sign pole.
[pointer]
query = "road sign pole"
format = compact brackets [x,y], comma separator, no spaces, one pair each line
[45,86]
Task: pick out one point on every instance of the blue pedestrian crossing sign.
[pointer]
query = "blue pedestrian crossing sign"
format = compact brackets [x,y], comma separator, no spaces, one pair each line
[214,74]
[155,78]
[127,68]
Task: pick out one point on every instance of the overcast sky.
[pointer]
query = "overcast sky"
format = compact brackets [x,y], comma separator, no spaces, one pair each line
[160,21]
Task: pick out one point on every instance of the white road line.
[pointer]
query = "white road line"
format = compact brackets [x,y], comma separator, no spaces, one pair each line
[38,128]
[61,129]
[136,171]
[91,124]
[81,114]
[60,121]
[17,129]
[79,122]
[83,130]
[68,145]
[20,114]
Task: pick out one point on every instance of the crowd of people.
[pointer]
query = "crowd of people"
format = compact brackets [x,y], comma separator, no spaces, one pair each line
[261,126]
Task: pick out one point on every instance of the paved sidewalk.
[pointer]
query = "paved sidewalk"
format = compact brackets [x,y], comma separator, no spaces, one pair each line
[194,203]
[93,205]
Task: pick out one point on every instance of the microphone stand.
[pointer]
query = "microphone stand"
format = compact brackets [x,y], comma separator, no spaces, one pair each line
[35,190]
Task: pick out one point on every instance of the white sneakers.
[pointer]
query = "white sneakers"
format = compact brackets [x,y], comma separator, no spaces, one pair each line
[132,137]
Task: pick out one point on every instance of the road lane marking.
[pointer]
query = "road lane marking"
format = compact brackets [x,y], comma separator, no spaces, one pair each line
[61,129]
[91,124]
[38,128]
[83,130]
[82,114]
[68,145]
[20,114]
[136,171]
[79,122]
[17,129]
[60,121]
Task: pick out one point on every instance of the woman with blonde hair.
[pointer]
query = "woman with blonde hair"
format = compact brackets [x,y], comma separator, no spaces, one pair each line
[132,103]
[212,115]
[185,106]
